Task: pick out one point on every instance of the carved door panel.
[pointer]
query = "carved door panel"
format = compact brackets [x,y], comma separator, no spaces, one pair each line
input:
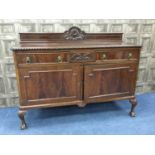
[103,82]
[50,84]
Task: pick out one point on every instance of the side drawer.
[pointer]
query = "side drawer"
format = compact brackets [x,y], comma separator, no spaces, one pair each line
[118,53]
[47,57]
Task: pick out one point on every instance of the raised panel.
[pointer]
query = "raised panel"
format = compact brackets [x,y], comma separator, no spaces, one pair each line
[143,61]
[151,76]
[12,84]
[150,87]
[1,50]
[3,102]
[47,27]
[131,40]
[27,27]
[1,69]
[146,44]
[147,28]
[51,84]
[7,28]
[10,68]
[139,88]
[132,28]
[101,28]
[85,27]
[142,75]
[63,27]
[13,101]
[2,86]
[116,28]
[108,81]
[8,44]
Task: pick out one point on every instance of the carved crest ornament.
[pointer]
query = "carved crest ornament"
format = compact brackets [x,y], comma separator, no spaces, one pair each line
[74,33]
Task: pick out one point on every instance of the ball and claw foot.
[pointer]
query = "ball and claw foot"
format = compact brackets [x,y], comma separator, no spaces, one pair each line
[132,114]
[22,119]
[133,105]
[23,126]
[82,105]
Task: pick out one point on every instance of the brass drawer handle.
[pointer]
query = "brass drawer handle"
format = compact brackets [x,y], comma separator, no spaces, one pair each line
[28,59]
[130,55]
[104,56]
[59,59]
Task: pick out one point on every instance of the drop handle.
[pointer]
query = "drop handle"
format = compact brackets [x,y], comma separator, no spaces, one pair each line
[90,74]
[28,60]
[104,56]
[129,55]
[59,59]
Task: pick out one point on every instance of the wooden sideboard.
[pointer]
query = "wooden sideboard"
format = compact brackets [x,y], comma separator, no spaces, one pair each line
[74,68]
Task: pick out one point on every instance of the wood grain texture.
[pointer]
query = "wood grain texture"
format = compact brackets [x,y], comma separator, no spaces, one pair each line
[50,84]
[108,81]
[67,76]
[57,37]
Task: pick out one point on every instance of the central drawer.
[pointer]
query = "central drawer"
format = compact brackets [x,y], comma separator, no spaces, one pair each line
[82,56]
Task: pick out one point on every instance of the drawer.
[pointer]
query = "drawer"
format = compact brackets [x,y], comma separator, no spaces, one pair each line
[82,56]
[58,57]
[118,54]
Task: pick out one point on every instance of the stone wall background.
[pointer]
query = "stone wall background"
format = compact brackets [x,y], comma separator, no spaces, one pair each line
[135,31]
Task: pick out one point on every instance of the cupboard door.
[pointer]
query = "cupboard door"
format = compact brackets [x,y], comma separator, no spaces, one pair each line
[50,84]
[106,82]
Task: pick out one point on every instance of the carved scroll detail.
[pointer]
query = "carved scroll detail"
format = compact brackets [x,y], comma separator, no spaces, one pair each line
[81,57]
[74,33]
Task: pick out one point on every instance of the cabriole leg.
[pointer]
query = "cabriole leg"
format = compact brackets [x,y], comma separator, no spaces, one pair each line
[21,114]
[133,102]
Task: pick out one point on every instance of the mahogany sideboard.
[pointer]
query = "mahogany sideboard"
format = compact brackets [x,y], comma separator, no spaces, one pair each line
[74,68]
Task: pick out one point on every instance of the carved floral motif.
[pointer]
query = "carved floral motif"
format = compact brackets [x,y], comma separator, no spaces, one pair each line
[78,57]
[74,33]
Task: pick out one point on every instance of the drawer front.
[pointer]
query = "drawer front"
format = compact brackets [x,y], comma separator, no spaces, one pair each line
[75,56]
[82,57]
[57,57]
[26,58]
[111,54]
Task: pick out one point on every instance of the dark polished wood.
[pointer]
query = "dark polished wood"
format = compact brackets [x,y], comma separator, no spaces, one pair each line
[133,102]
[74,68]
[107,81]
[21,114]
